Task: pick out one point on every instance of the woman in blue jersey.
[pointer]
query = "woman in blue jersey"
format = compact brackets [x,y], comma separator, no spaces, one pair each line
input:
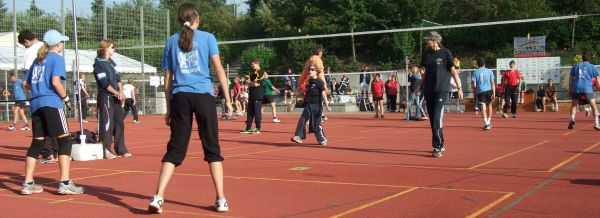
[48,119]
[189,90]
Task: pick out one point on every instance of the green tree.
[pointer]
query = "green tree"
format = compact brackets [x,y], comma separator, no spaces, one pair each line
[264,54]
[34,11]
[3,9]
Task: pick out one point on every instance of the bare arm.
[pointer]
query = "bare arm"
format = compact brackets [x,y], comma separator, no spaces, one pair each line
[324,97]
[133,95]
[58,86]
[168,82]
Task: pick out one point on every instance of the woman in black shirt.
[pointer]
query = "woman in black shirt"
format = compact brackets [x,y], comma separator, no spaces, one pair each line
[439,69]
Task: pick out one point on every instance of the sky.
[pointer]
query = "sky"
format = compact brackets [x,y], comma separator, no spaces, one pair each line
[84,7]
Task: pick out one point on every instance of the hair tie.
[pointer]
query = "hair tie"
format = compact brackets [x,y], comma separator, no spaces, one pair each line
[187,23]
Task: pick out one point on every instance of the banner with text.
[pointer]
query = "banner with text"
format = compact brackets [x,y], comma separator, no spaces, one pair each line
[530,46]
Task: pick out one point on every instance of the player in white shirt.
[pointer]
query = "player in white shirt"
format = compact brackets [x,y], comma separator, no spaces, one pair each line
[80,84]
[129,92]
[32,45]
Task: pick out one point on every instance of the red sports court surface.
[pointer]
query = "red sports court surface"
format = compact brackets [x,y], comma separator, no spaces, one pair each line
[532,166]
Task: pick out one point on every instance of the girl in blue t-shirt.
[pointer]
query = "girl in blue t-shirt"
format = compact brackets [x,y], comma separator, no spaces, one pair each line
[45,80]
[189,90]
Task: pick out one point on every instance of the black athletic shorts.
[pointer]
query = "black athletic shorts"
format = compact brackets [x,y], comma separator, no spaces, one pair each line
[20,104]
[49,121]
[268,99]
[584,98]
[485,97]
[377,98]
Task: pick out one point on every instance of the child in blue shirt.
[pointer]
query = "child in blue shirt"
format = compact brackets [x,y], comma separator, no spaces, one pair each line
[19,107]
[580,88]
[45,80]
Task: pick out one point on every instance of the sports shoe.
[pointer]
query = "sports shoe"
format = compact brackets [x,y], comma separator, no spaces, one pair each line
[12,128]
[109,155]
[26,127]
[571,124]
[70,189]
[245,131]
[587,112]
[597,127]
[254,131]
[127,155]
[31,189]
[487,127]
[51,159]
[275,120]
[297,139]
[324,142]
[156,204]
[85,121]
[136,122]
[504,115]
[436,152]
[514,115]
[221,205]
[381,117]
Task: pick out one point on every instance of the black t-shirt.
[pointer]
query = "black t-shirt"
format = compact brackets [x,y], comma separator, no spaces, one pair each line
[313,91]
[255,92]
[437,70]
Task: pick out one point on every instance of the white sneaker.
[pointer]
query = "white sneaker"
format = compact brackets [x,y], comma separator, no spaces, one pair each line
[85,121]
[26,127]
[70,189]
[109,155]
[275,120]
[31,189]
[221,205]
[156,204]
[12,128]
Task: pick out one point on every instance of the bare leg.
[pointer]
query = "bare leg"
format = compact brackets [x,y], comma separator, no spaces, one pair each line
[216,171]
[23,117]
[166,171]
[274,109]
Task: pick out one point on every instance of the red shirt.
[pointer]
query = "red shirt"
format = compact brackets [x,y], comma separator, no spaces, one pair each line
[377,88]
[392,88]
[237,87]
[511,78]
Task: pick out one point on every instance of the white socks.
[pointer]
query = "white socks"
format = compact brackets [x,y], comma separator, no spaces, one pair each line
[487,120]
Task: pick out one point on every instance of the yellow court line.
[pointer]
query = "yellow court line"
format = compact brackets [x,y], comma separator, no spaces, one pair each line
[286,148]
[389,165]
[375,129]
[490,206]
[9,177]
[373,203]
[508,155]
[59,201]
[71,200]
[561,164]
[87,177]
[313,181]
[568,133]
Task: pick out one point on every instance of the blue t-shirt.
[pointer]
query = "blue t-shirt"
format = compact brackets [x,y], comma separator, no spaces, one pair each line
[483,79]
[43,93]
[17,88]
[582,74]
[191,69]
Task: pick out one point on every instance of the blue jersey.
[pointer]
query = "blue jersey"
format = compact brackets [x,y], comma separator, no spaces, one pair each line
[17,88]
[43,93]
[582,74]
[483,79]
[191,69]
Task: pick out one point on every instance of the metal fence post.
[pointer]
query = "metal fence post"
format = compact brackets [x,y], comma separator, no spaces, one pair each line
[15,58]
[142,56]
[104,24]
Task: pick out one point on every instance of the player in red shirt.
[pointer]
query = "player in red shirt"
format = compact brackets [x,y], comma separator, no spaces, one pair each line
[511,80]
[377,87]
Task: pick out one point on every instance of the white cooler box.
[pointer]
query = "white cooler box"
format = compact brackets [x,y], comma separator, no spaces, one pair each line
[85,152]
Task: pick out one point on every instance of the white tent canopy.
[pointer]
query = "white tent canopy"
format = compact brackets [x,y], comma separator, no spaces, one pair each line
[86,58]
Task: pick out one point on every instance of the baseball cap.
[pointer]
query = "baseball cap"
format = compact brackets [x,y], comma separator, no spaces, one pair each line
[53,37]
[435,36]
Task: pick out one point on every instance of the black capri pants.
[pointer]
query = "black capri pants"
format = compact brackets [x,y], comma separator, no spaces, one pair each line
[184,106]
